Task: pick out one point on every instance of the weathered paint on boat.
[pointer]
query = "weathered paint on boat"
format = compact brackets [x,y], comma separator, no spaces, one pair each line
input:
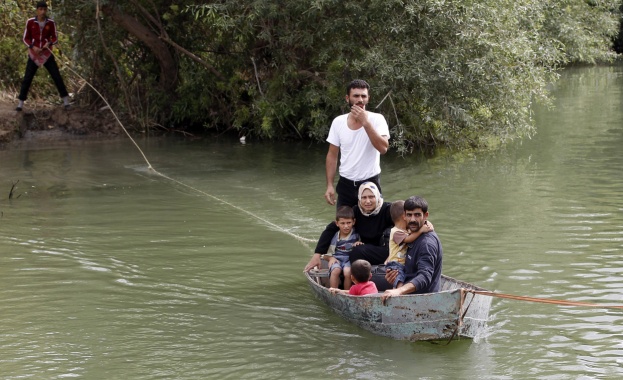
[451,313]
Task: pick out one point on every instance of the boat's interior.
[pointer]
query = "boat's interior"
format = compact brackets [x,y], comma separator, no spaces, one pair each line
[378,277]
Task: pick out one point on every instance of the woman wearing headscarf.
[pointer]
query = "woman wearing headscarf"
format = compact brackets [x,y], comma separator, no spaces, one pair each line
[372,219]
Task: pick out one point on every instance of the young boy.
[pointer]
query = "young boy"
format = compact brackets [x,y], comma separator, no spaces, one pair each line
[40,36]
[398,240]
[341,245]
[360,275]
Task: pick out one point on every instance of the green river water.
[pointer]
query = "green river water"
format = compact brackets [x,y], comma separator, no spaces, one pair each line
[109,271]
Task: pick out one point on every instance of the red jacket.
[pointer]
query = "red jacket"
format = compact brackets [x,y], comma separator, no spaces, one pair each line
[34,35]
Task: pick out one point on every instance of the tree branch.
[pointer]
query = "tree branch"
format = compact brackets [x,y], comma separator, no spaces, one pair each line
[124,85]
[192,56]
[168,66]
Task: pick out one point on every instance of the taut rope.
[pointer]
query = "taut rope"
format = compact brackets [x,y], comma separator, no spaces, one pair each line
[301,239]
[543,300]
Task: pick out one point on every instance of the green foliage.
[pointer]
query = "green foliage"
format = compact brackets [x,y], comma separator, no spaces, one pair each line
[12,67]
[460,72]
[585,28]
[13,52]
[455,73]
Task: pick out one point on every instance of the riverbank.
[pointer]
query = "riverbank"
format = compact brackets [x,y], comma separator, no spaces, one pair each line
[44,121]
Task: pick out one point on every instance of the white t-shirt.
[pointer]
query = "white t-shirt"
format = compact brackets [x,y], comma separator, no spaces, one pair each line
[359,159]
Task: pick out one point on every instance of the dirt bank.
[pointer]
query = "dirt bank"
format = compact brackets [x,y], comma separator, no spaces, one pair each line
[45,121]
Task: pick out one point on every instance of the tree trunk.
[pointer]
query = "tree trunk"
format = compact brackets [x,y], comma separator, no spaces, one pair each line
[168,65]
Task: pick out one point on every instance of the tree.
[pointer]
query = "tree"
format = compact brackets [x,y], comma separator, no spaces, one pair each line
[168,77]
[460,73]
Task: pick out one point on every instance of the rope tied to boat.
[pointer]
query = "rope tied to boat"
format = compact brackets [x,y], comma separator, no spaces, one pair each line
[461,316]
[542,300]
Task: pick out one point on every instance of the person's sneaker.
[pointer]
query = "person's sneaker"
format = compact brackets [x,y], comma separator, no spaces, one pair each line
[18,109]
[67,107]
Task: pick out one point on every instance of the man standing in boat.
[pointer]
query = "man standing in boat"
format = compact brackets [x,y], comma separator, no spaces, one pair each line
[359,138]
[424,257]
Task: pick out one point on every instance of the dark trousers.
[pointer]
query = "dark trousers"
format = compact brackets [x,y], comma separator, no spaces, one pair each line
[348,190]
[374,254]
[31,70]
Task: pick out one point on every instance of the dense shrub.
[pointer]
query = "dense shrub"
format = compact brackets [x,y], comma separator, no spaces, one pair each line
[458,73]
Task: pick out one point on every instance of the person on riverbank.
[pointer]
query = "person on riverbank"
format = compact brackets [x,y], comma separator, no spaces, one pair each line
[373,220]
[424,257]
[399,238]
[341,246]
[359,138]
[361,273]
[40,36]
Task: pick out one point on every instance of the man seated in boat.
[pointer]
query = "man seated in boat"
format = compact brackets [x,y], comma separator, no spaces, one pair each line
[399,239]
[424,256]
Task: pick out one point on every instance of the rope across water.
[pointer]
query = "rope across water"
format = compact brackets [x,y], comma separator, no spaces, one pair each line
[301,239]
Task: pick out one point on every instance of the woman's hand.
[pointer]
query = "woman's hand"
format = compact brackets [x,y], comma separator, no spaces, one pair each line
[313,262]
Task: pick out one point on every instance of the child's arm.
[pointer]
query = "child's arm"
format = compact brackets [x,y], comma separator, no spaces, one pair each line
[426,227]
[358,242]
[330,258]
[338,291]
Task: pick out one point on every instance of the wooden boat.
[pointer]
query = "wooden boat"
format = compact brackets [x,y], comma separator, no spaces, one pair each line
[452,313]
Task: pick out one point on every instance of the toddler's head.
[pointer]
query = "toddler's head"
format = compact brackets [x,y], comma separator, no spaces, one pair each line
[397,211]
[360,271]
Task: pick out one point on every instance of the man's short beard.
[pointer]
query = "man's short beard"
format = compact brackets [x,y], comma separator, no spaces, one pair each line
[351,104]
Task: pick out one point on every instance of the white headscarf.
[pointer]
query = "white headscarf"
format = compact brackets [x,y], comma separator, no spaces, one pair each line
[375,190]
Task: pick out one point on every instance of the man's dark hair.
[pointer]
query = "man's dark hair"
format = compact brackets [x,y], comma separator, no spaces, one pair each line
[397,210]
[360,270]
[41,4]
[345,212]
[357,83]
[415,202]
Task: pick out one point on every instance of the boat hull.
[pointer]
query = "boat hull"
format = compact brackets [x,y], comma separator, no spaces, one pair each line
[451,313]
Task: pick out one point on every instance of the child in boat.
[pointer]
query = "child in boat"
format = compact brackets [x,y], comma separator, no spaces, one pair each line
[398,240]
[360,273]
[341,245]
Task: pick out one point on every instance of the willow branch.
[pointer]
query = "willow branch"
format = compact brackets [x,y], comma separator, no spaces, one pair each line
[257,78]
[149,17]
[112,57]
[193,57]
